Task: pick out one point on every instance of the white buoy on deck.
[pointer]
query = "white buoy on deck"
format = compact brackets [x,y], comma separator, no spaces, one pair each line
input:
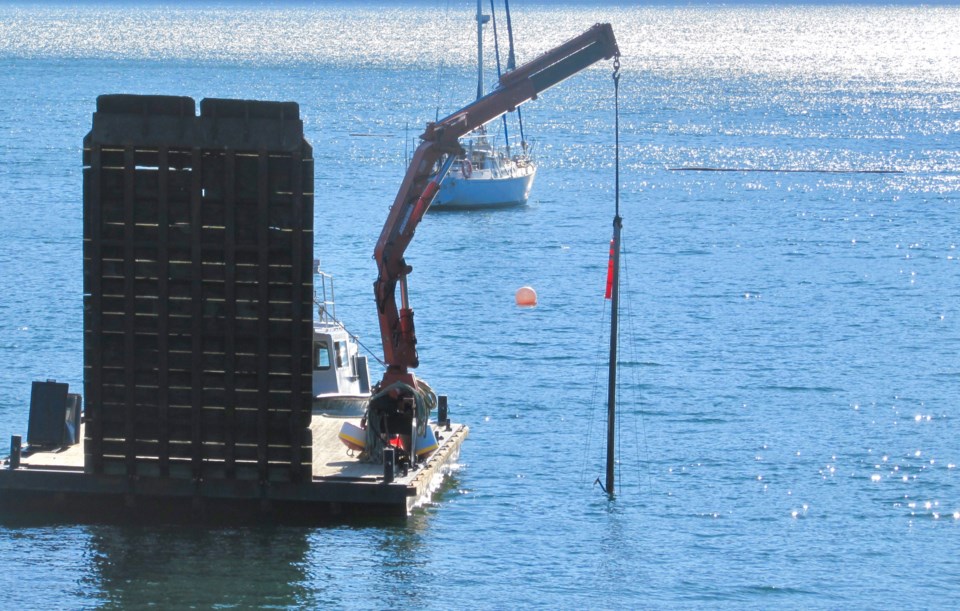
[426,444]
[353,437]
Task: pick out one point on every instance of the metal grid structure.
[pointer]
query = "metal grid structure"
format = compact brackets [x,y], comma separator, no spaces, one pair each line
[198,244]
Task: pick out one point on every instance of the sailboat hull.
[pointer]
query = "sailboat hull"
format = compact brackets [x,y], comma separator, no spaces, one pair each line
[457,192]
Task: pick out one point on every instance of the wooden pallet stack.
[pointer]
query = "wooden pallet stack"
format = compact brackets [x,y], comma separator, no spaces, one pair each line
[198,250]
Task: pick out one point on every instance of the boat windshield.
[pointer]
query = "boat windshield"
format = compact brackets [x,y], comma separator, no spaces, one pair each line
[321,355]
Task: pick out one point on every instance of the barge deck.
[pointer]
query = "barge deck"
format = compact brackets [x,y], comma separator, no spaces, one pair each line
[53,484]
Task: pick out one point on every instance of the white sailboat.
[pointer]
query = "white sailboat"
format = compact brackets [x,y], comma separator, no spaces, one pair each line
[487,175]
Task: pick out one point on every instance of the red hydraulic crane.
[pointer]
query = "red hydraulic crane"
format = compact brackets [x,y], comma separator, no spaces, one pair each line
[422,181]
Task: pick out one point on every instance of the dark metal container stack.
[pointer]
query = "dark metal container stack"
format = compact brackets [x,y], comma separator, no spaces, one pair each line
[198,250]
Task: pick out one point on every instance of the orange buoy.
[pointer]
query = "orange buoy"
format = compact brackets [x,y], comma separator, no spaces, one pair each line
[526,297]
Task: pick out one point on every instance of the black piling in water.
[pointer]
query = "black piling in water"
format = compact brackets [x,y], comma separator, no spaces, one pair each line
[389,461]
[15,452]
[443,417]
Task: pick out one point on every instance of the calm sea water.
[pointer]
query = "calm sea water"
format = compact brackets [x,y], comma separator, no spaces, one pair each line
[791,330]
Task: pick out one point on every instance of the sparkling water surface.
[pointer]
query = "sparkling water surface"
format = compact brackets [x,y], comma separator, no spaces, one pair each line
[790,330]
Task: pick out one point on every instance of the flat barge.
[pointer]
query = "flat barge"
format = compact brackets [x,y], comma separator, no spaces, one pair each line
[210,389]
[205,374]
[52,484]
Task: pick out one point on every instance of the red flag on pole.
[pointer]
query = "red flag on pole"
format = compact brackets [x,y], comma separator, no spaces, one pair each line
[609,292]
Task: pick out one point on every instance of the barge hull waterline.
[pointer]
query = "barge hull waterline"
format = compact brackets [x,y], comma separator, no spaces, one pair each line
[65,494]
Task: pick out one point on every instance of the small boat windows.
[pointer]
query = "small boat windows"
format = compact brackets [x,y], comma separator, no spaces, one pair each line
[321,355]
[341,351]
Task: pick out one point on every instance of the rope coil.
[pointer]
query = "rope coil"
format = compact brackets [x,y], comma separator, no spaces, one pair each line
[377,438]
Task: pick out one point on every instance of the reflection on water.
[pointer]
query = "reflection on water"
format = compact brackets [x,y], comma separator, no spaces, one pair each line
[179,567]
[802,41]
[369,564]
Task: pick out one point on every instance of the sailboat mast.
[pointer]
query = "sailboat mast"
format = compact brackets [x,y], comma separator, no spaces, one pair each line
[480,21]
[612,378]
[496,52]
[511,58]
[512,65]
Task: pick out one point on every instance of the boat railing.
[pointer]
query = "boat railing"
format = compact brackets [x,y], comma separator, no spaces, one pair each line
[323,295]
[487,144]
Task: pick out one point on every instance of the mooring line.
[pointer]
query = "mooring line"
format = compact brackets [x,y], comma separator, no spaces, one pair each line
[801,171]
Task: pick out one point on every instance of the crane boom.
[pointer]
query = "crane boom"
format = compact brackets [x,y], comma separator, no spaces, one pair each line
[422,181]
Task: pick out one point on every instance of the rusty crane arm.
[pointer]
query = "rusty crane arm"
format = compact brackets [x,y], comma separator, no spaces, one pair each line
[422,182]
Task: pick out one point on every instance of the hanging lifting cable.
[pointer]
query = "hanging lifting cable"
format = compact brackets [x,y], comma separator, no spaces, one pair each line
[616,130]
[633,385]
